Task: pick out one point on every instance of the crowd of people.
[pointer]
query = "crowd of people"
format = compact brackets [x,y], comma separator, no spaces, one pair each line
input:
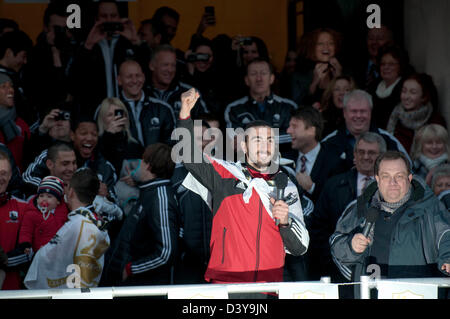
[87,176]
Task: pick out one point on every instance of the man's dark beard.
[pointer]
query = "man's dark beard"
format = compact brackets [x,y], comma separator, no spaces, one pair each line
[258,167]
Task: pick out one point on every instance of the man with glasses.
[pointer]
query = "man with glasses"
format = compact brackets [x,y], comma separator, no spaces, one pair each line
[337,193]
[410,237]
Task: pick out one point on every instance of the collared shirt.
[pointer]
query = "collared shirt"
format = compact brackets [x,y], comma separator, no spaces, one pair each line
[107,48]
[310,159]
[309,164]
[136,109]
[361,182]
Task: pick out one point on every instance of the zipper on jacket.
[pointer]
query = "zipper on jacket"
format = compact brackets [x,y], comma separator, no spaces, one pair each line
[223,244]
[258,239]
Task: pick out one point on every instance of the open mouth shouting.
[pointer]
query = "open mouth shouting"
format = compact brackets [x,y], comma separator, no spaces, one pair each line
[85,138]
[86,149]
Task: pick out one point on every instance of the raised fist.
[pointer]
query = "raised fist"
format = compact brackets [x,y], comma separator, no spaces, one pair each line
[188,100]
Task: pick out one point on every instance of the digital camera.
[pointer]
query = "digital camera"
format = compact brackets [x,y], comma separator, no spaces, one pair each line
[111,27]
[197,57]
[245,41]
[63,116]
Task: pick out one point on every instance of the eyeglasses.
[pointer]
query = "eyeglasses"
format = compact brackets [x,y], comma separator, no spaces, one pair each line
[364,152]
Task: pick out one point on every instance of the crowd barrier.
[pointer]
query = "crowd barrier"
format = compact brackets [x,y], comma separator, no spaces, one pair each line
[413,288]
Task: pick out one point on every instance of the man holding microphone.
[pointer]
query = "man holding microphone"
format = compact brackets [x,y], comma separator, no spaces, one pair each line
[407,237]
[252,228]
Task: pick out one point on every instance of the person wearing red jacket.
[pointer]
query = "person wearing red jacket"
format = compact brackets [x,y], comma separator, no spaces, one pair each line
[14,131]
[3,263]
[251,230]
[12,211]
[46,214]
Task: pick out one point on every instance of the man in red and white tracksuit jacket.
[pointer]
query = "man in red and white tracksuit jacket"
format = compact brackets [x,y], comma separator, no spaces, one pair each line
[251,231]
[12,211]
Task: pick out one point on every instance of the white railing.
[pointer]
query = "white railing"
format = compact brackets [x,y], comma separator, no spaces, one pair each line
[299,290]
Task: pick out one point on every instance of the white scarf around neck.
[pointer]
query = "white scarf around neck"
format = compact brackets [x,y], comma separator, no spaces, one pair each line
[383,91]
[433,162]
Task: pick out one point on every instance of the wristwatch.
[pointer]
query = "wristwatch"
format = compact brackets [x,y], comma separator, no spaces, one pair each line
[288,223]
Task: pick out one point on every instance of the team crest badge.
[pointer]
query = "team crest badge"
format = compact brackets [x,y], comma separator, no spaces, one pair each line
[276,117]
[13,215]
[246,120]
[155,121]
[291,198]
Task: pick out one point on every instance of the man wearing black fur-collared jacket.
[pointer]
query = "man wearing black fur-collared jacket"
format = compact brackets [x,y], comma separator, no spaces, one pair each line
[251,230]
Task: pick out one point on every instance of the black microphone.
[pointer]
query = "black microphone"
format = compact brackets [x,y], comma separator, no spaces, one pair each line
[371,218]
[281,181]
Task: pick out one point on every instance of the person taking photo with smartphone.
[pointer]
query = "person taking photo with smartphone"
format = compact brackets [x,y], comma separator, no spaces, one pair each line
[46,76]
[111,41]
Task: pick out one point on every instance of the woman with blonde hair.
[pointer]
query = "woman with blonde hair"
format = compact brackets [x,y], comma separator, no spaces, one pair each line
[430,148]
[115,139]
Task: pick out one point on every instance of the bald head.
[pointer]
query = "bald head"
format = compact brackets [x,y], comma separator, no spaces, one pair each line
[131,79]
